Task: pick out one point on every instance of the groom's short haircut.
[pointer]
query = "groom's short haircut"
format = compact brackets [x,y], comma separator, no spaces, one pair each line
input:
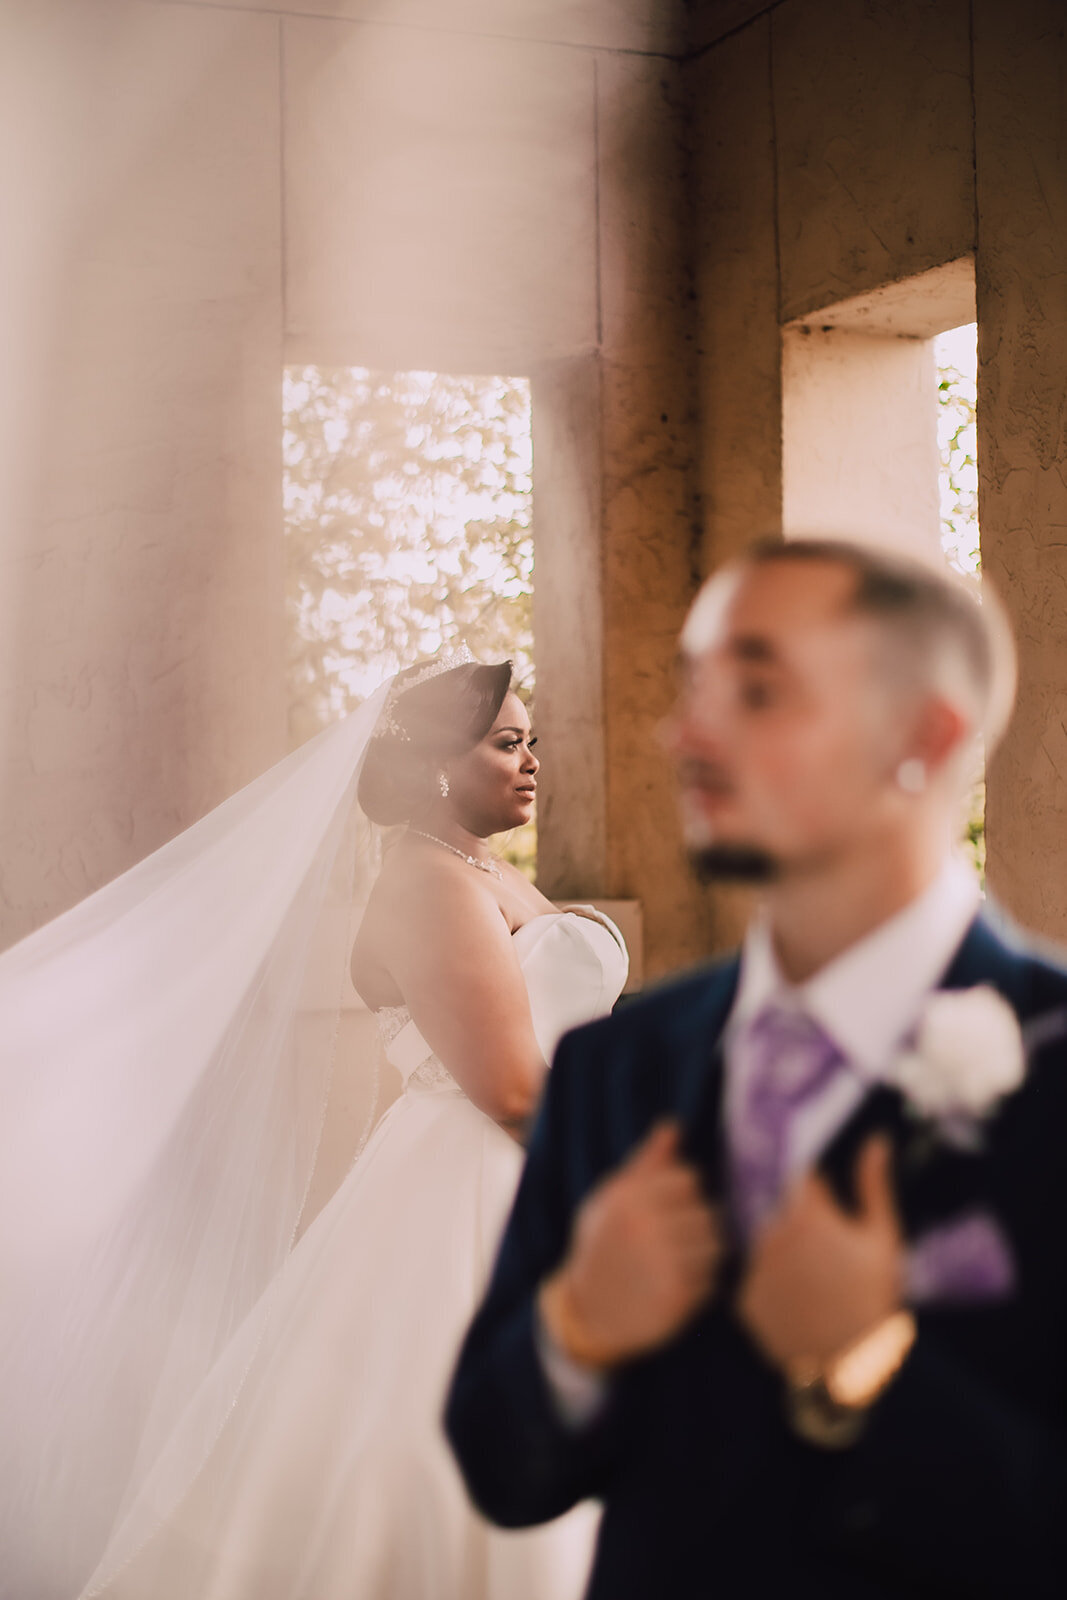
[941,637]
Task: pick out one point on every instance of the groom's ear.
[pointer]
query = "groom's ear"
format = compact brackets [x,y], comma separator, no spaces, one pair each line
[938,734]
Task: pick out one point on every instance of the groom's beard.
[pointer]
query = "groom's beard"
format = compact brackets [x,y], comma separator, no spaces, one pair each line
[711,861]
[733,863]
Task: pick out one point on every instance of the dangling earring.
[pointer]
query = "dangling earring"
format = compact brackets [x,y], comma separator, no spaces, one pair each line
[442,784]
[911,775]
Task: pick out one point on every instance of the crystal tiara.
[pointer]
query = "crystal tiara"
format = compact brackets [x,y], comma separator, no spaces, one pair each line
[443,661]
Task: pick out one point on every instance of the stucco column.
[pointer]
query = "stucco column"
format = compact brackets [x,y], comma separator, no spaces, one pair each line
[1020,90]
[648,514]
[734,232]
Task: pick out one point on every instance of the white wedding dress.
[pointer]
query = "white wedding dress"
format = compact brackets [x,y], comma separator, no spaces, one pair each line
[330,1478]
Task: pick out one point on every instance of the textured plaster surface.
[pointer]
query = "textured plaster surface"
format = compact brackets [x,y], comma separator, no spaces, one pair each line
[874,138]
[140,579]
[735,247]
[439,198]
[859,438]
[554,247]
[569,628]
[1020,95]
[648,507]
[831,156]
[711,20]
[880,134]
[483,202]
[642,25]
[912,308]
[739,426]
[223,188]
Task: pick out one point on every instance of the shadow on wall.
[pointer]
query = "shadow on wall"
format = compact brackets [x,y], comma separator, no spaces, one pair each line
[141,674]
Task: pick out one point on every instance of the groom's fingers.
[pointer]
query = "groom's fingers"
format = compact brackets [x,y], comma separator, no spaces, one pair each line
[658,1149]
[697,1226]
[695,1243]
[660,1181]
[643,1257]
[696,1222]
[874,1182]
[697,1279]
[698,1264]
[677,1187]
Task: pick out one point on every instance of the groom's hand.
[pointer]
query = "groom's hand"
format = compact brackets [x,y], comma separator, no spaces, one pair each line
[643,1258]
[821,1277]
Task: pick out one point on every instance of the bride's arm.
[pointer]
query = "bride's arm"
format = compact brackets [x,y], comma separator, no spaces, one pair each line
[451,954]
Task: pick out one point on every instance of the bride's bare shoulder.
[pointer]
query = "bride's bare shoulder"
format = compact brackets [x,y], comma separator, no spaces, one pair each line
[423,905]
[422,883]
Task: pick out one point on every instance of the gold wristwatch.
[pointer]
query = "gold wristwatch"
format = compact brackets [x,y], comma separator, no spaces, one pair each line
[828,1405]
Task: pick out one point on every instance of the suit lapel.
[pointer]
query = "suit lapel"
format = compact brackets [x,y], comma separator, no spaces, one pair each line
[985,956]
[932,1177]
[699,1083]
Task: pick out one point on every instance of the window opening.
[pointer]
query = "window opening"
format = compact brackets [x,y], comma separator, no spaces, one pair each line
[956,355]
[408,502]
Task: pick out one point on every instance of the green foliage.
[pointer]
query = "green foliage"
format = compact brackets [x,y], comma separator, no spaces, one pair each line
[408,516]
[957,438]
[974,827]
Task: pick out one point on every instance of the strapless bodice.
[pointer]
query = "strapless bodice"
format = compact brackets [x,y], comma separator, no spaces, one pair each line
[574,963]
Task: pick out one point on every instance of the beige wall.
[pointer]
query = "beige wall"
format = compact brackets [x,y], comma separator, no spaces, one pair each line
[541,185]
[859,438]
[650,528]
[1020,90]
[832,154]
[477,185]
[440,198]
[139,563]
[645,26]
[840,146]
[490,203]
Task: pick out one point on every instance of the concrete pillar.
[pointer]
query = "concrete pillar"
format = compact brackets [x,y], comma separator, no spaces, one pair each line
[568,607]
[649,531]
[873,130]
[735,253]
[1020,62]
[736,283]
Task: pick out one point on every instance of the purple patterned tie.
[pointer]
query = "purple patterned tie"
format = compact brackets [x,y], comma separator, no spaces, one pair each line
[782,1058]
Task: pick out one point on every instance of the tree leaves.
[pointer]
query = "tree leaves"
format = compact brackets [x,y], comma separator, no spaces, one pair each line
[956,353]
[957,394]
[408,507]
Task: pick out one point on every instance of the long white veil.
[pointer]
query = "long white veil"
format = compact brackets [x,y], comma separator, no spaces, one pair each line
[166,1049]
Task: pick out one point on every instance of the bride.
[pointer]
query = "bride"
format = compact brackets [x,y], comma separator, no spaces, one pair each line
[282,1440]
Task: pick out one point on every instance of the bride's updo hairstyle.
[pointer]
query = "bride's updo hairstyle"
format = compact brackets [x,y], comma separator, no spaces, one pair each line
[423,727]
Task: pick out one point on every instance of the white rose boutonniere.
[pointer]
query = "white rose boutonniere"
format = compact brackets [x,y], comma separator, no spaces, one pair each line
[967,1054]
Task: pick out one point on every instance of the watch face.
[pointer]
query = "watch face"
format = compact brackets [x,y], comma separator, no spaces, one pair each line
[830,1408]
[817,1418]
[857,1377]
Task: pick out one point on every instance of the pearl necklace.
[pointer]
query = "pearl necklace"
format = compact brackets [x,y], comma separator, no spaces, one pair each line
[473,861]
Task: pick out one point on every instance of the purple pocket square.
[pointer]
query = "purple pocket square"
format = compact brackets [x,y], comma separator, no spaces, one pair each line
[963,1262]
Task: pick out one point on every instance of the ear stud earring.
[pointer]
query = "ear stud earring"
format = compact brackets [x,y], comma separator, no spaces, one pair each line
[911,775]
[442,784]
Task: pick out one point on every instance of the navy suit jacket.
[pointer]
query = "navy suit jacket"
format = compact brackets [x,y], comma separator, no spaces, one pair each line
[958,1486]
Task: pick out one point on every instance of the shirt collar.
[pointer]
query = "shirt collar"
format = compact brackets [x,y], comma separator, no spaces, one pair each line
[868,997]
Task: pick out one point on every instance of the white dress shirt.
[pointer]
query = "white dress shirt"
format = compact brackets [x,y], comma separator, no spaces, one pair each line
[868,1000]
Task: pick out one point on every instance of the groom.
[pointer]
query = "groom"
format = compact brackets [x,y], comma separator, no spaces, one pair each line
[785,1284]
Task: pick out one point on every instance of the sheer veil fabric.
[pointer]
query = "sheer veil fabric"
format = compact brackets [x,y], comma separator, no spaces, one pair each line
[166,1050]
